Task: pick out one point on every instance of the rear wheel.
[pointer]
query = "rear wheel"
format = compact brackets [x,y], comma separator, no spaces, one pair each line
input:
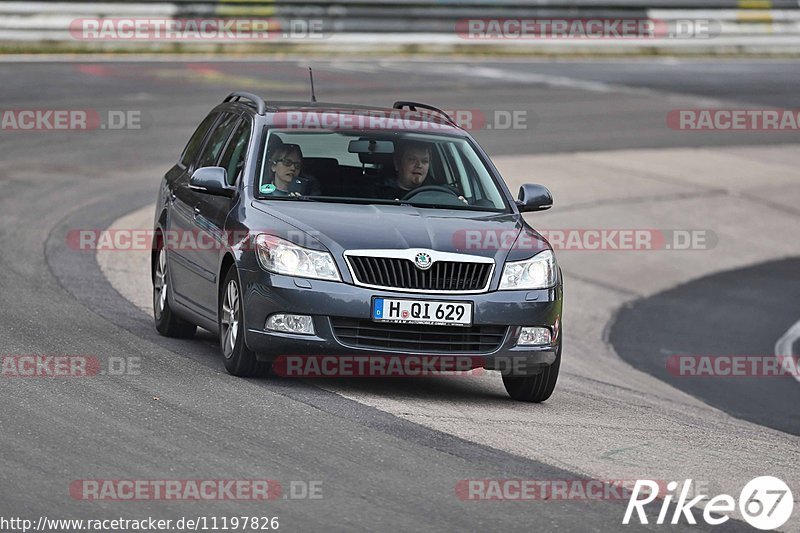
[534,388]
[167,322]
[239,360]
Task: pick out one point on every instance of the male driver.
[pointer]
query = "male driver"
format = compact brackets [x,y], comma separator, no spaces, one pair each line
[411,162]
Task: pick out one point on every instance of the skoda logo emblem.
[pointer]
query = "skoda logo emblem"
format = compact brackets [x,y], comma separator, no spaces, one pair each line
[423,261]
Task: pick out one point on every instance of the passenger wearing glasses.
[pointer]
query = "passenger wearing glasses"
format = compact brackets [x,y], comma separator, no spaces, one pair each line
[285,166]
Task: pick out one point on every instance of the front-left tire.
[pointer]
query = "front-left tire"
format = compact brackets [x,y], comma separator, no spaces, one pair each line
[239,359]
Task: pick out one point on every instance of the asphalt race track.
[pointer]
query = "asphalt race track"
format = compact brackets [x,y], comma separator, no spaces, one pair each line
[389,454]
[716,303]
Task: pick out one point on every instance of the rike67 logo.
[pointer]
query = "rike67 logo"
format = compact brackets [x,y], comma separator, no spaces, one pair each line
[765,503]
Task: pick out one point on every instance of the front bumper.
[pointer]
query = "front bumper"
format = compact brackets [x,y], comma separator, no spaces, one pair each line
[266,294]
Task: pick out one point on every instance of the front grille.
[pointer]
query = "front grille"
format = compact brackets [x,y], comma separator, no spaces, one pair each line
[417,338]
[397,273]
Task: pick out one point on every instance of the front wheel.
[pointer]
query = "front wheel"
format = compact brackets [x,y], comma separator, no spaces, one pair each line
[239,360]
[535,388]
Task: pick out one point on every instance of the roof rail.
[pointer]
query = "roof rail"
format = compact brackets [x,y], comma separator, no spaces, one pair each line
[235,96]
[412,106]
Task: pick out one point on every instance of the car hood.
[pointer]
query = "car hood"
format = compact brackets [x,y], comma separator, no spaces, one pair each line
[341,227]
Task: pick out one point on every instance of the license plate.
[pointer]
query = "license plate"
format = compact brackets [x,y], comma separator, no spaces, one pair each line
[422,312]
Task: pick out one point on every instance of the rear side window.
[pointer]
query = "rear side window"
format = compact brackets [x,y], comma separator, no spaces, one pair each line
[233,158]
[190,152]
[216,141]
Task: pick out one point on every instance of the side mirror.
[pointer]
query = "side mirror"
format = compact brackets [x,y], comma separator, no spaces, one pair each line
[534,197]
[211,180]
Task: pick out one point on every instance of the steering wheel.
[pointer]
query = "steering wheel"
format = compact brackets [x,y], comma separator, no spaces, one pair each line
[431,189]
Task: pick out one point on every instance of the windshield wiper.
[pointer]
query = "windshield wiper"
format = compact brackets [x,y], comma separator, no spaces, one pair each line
[350,200]
[303,198]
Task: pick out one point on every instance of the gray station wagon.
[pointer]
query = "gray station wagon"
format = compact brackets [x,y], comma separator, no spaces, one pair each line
[305,229]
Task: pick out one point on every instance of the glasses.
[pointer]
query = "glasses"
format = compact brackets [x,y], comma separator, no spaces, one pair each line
[290,163]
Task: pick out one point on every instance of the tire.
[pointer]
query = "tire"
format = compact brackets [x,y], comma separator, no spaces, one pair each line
[167,322]
[534,388]
[239,360]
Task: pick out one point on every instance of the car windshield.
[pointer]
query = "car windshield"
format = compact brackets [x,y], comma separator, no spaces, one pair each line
[424,170]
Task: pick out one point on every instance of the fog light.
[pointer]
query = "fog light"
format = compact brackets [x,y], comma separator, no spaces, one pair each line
[534,336]
[285,323]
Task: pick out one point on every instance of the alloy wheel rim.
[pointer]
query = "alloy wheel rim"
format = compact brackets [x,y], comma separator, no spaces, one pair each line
[160,284]
[230,319]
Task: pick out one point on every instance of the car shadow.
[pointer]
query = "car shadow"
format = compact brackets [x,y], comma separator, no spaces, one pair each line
[469,387]
[434,388]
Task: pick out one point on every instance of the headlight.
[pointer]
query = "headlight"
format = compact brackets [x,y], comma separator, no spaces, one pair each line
[538,272]
[283,257]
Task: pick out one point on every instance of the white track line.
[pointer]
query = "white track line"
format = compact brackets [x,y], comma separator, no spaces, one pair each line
[783,348]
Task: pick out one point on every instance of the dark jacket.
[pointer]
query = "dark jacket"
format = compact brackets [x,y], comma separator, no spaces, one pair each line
[389,189]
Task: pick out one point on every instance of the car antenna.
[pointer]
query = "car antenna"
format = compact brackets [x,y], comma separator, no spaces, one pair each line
[311,76]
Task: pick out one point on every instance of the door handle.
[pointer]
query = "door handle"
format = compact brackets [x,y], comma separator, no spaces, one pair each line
[196,212]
